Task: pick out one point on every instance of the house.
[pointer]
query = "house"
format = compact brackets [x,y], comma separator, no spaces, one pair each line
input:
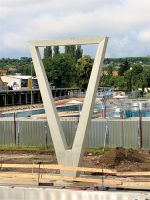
[18,81]
[12,69]
[3,85]
[105,73]
[3,72]
[114,73]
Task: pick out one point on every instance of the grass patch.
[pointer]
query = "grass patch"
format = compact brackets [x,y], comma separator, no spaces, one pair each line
[27,148]
[49,149]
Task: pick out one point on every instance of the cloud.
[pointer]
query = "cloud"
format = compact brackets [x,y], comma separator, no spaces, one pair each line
[144,36]
[125,21]
[118,45]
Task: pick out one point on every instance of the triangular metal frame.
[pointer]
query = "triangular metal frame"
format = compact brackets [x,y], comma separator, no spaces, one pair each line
[65,156]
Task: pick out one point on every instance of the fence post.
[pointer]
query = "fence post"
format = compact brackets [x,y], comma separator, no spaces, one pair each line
[15,128]
[140,129]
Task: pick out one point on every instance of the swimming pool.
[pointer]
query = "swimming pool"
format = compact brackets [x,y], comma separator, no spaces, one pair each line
[129,111]
[28,113]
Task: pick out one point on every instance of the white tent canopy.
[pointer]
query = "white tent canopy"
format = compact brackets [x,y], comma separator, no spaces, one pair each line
[74,102]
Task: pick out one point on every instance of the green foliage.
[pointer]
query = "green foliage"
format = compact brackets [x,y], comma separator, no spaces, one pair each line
[117,82]
[56,50]
[70,69]
[136,69]
[128,80]
[70,50]
[83,67]
[79,52]
[60,70]
[74,51]
[140,76]
[104,81]
[137,60]
[109,69]
[123,67]
[47,52]
[23,65]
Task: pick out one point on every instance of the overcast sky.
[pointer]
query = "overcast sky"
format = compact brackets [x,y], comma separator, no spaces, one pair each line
[126,22]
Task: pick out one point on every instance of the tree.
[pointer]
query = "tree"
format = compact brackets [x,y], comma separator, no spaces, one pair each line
[47,52]
[56,50]
[128,80]
[136,69]
[145,78]
[84,67]
[117,82]
[70,50]
[137,77]
[123,67]
[79,52]
[141,76]
[60,70]
[109,69]
[105,81]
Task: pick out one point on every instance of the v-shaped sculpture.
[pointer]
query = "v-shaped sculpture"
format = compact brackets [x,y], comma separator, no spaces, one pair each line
[66,156]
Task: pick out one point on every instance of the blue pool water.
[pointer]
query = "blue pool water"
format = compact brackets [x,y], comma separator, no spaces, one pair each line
[28,113]
[143,113]
[99,107]
[24,113]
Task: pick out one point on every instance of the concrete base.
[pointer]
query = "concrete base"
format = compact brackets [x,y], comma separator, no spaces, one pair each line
[26,193]
[62,183]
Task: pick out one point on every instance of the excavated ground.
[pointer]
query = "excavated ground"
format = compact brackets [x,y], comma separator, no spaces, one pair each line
[118,158]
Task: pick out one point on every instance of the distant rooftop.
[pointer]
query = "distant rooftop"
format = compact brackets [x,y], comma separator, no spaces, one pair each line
[21,76]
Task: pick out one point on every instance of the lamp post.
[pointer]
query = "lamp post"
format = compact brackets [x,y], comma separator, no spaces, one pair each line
[31,84]
[104,106]
[140,136]
[130,87]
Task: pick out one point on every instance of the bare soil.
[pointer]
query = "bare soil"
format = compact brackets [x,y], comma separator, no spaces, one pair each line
[118,158]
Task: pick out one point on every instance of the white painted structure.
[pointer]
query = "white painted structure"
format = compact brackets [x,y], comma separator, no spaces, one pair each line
[18,82]
[29,193]
[3,85]
[66,156]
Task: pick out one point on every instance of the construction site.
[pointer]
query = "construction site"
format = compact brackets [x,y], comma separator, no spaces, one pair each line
[118,172]
[90,149]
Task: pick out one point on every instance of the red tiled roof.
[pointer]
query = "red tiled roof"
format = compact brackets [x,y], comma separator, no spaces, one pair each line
[12,69]
[3,71]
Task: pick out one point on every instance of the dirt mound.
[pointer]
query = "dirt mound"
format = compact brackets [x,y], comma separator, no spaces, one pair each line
[116,156]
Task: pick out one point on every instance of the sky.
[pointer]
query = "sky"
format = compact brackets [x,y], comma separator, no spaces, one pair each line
[125,22]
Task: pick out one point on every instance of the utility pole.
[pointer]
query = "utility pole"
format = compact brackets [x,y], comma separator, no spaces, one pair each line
[31,85]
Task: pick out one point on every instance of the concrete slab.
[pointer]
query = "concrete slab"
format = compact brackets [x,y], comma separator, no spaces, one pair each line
[26,193]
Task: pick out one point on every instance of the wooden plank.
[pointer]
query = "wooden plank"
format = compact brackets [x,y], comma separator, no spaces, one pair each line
[82,169]
[58,177]
[135,184]
[128,174]
[27,166]
[72,168]
[18,175]
[49,177]
[59,167]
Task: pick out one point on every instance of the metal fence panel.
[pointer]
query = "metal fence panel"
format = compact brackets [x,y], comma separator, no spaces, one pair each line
[115,134]
[6,133]
[96,134]
[130,134]
[34,133]
[146,134]
[103,133]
